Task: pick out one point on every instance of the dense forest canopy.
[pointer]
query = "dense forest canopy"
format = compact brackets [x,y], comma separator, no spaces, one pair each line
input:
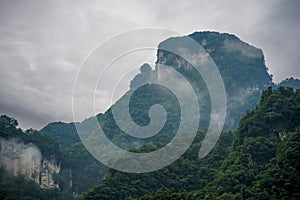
[258,161]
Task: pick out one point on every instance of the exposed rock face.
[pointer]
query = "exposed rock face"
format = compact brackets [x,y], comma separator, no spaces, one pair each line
[26,159]
[48,171]
[241,66]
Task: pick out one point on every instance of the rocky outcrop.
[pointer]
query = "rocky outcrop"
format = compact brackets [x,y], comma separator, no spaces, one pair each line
[18,158]
[241,66]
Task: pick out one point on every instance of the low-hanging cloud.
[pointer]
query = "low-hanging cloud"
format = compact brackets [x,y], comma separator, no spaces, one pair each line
[244,49]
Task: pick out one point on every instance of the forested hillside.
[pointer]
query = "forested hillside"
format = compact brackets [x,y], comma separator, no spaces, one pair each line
[77,172]
[258,161]
[22,186]
[256,157]
[245,76]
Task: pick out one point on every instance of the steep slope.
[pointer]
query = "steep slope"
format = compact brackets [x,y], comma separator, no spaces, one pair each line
[38,158]
[259,161]
[243,71]
[29,163]
[63,133]
[241,66]
[86,171]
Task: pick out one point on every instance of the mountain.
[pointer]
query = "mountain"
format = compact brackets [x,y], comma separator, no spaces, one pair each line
[64,133]
[290,82]
[260,160]
[62,165]
[35,157]
[243,71]
[242,68]
[31,164]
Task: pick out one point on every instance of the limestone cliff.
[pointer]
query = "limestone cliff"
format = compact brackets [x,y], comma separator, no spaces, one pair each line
[18,158]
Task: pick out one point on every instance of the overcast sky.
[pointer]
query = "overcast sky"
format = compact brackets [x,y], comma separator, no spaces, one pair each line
[42,43]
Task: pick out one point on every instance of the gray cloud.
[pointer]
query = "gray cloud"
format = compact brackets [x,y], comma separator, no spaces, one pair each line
[42,43]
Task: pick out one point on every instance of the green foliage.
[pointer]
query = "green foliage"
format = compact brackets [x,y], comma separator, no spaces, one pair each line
[13,188]
[63,133]
[80,166]
[141,101]
[263,161]
[281,178]
[290,82]
[277,114]
[86,171]
[242,67]
[243,71]
[8,127]
[169,194]
[77,165]
[188,172]
[259,161]
[48,147]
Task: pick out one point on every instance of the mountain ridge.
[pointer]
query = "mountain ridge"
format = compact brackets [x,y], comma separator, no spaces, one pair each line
[236,104]
[245,76]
